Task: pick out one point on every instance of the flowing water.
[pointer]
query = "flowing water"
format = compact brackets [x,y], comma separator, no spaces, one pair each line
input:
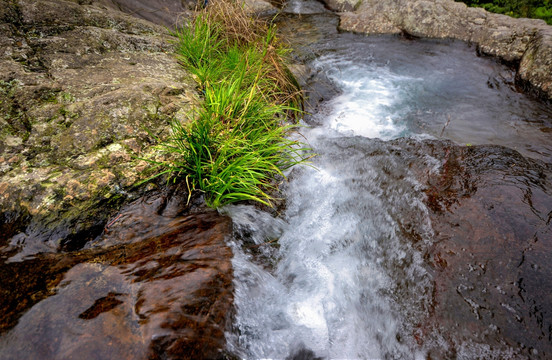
[400,241]
[346,278]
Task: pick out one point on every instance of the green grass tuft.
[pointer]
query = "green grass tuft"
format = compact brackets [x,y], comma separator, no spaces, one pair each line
[236,145]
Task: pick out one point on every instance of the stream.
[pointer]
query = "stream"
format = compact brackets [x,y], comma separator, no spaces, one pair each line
[359,270]
[422,228]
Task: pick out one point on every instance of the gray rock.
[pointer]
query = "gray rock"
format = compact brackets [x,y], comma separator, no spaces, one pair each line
[170,13]
[524,41]
[343,5]
[84,92]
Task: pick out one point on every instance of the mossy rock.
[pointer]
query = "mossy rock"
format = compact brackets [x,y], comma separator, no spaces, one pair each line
[85,92]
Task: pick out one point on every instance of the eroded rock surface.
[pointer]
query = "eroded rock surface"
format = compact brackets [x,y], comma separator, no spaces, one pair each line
[524,41]
[156,285]
[84,91]
[172,13]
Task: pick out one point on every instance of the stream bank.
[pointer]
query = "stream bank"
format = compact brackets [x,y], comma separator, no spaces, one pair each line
[90,265]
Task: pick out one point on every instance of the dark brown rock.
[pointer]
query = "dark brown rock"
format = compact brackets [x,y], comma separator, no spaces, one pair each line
[491,216]
[157,284]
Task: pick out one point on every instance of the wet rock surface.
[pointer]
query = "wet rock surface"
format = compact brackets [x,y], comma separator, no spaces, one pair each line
[491,212]
[84,92]
[156,284]
[527,42]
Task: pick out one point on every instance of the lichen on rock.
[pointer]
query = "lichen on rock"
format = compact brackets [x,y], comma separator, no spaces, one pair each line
[85,91]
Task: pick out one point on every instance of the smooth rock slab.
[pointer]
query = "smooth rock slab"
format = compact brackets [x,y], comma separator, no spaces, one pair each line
[157,284]
[491,211]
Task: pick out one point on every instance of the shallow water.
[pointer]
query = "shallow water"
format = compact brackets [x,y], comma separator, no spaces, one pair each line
[139,290]
[350,275]
[392,87]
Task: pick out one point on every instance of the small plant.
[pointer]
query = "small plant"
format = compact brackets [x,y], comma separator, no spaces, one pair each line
[236,144]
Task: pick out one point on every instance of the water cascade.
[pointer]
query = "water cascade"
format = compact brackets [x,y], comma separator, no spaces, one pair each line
[346,277]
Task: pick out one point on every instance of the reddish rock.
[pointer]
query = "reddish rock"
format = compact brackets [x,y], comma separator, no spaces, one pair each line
[491,212]
[157,284]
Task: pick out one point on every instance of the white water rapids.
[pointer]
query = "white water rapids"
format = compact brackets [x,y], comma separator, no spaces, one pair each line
[343,271]
[341,264]
[345,278]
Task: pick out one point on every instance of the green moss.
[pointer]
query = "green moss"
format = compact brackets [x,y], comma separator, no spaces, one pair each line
[7,88]
[66,97]
[539,9]
[67,114]
[15,119]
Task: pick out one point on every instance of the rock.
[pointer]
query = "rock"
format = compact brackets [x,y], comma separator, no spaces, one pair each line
[85,91]
[343,5]
[173,13]
[489,254]
[168,13]
[156,285]
[259,6]
[536,63]
[527,42]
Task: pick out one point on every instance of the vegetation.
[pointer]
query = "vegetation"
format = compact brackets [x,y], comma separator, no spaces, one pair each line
[236,144]
[539,9]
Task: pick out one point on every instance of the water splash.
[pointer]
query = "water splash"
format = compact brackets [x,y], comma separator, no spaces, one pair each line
[370,104]
[346,278]
[343,264]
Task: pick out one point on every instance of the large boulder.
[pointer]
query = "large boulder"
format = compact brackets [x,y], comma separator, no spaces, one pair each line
[527,42]
[84,93]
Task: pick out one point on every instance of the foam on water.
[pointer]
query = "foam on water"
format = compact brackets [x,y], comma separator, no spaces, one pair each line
[331,284]
[346,280]
[303,7]
[394,87]
[371,99]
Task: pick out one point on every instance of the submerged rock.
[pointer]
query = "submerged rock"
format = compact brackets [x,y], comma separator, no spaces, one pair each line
[84,91]
[527,42]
